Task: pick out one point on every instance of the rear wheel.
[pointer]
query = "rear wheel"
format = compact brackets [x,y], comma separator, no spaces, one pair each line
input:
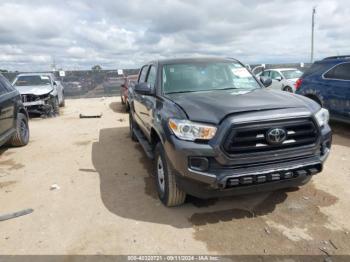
[288,89]
[168,191]
[21,137]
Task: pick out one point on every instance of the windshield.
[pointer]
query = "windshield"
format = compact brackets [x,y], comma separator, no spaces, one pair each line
[207,76]
[291,74]
[34,80]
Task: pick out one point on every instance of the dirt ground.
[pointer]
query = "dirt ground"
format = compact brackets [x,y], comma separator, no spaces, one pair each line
[106,202]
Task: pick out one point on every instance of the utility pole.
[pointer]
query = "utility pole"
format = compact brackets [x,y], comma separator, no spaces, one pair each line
[312,33]
[53,65]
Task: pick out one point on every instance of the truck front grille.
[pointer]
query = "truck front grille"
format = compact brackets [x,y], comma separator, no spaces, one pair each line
[252,138]
[30,98]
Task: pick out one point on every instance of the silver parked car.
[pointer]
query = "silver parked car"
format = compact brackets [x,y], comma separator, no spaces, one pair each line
[283,78]
[41,93]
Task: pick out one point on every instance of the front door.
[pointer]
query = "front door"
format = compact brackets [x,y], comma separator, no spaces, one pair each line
[7,109]
[276,80]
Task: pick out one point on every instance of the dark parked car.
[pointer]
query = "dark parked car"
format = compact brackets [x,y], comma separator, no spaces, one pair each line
[14,128]
[128,82]
[214,130]
[328,83]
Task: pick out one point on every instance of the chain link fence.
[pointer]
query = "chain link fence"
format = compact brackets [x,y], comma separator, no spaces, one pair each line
[88,83]
[99,83]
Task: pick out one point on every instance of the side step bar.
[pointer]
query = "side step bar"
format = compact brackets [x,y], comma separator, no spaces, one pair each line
[144,143]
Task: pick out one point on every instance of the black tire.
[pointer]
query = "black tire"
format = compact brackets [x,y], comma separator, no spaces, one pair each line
[288,89]
[168,192]
[131,127]
[21,137]
[63,103]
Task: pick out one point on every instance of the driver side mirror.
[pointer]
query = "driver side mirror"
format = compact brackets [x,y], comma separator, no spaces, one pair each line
[143,89]
[266,81]
[55,83]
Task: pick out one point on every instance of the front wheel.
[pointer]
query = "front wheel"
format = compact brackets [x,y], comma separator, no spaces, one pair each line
[21,137]
[63,103]
[168,191]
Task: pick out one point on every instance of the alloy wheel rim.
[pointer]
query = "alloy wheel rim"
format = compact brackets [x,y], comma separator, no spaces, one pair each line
[160,174]
[24,130]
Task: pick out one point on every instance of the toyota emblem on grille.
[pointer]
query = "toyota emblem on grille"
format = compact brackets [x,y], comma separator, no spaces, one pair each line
[276,136]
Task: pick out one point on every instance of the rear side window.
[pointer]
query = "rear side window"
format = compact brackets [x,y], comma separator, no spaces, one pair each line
[316,67]
[266,73]
[143,74]
[339,72]
[274,75]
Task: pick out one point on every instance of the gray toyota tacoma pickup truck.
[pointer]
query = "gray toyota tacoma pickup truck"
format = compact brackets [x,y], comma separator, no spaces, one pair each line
[213,129]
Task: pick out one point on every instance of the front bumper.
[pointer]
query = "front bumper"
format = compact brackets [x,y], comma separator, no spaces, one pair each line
[34,103]
[225,180]
[40,106]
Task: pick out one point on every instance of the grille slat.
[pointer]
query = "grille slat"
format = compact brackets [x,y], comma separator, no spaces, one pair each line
[251,138]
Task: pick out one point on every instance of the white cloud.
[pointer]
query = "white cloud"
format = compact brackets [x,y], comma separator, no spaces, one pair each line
[115,34]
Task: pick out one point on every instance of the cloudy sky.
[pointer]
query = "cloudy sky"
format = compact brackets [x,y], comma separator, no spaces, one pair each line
[123,34]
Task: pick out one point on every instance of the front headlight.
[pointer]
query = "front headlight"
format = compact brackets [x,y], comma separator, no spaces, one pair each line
[322,117]
[187,130]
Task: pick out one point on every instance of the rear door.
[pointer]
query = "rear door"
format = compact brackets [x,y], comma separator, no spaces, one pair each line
[148,102]
[337,96]
[7,108]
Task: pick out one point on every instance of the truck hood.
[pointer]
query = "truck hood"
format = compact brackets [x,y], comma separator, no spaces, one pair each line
[214,106]
[34,90]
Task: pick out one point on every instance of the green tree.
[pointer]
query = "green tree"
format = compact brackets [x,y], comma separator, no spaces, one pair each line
[96,68]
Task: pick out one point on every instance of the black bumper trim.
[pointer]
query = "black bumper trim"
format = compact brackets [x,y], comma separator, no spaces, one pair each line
[204,191]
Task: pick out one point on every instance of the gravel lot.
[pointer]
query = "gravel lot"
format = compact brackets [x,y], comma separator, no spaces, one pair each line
[107,203]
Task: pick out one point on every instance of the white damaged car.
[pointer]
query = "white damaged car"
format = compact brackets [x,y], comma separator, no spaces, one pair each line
[41,93]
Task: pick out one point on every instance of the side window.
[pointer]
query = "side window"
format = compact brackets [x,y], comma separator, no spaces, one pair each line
[143,74]
[340,72]
[266,73]
[274,75]
[151,79]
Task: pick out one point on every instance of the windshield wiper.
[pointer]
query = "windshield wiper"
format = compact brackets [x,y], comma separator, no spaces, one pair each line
[228,88]
[179,92]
